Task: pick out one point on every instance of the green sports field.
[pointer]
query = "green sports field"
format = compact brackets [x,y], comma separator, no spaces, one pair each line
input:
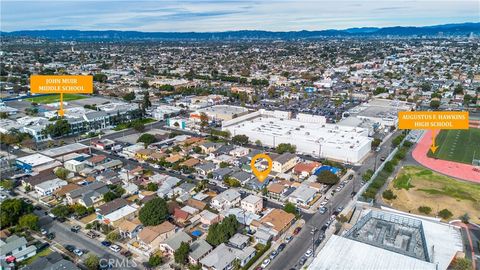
[55,98]
[458,145]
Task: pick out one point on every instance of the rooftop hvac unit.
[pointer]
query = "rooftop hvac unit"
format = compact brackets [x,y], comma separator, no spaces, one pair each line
[307,133]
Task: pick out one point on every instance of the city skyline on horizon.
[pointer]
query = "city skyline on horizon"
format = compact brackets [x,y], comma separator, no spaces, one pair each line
[220,16]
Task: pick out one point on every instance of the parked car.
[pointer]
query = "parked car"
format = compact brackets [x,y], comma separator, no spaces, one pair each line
[75,228]
[302,260]
[273,254]
[42,246]
[106,243]
[309,253]
[322,210]
[43,231]
[70,248]
[78,252]
[92,234]
[281,247]
[288,239]
[297,230]
[126,253]
[115,248]
[51,236]
[265,263]
[383,158]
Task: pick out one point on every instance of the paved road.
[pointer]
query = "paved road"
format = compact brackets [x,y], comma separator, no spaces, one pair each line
[64,236]
[290,257]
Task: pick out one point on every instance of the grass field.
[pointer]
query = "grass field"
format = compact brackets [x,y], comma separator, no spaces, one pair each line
[458,145]
[55,98]
[415,186]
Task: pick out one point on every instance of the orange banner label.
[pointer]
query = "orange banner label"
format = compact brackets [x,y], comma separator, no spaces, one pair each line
[433,120]
[56,84]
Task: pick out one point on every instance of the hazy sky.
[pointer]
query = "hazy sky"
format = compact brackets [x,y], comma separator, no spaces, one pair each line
[200,15]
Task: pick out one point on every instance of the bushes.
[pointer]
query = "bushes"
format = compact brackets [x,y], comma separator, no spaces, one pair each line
[445,214]
[388,195]
[425,210]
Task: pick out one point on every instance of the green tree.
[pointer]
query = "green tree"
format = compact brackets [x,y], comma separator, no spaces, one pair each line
[113,236]
[224,164]
[29,221]
[203,121]
[240,139]
[92,262]
[285,147]
[152,186]
[445,214]
[290,208]
[79,209]
[389,167]
[376,142]
[100,77]
[435,104]
[129,97]
[62,173]
[147,139]
[110,196]
[327,177]
[60,128]
[138,126]
[181,254]
[461,264]
[146,101]
[6,184]
[388,195]
[220,232]
[465,218]
[61,211]
[425,209]
[458,90]
[367,175]
[11,210]
[155,260]
[258,143]
[153,212]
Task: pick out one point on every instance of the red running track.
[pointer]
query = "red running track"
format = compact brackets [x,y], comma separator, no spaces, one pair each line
[450,168]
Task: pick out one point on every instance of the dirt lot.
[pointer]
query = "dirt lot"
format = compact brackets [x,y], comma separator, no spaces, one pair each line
[416,186]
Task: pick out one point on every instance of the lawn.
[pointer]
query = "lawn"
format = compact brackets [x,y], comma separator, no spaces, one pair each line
[415,186]
[459,145]
[55,98]
[123,126]
[42,253]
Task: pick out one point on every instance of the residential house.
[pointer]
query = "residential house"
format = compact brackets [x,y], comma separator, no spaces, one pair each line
[205,168]
[48,187]
[277,222]
[252,204]
[198,249]
[227,199]
[89,195]
[150,237]
[36,179]
[241,176]
[52,261]
[171,245]
[304,170]
[223,257]
[74,165]
[239,152]
[208,218]
[276,190]
[196,204]
[209,147]
[191,162]
[129,228]
[221,173]
[284,162]
[303,195]
[17,247]
[143,154]
[181,216]
[239,241]
[96,160]
[262,236]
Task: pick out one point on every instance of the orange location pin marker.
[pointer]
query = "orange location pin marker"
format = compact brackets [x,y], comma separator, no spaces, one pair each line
[261,175]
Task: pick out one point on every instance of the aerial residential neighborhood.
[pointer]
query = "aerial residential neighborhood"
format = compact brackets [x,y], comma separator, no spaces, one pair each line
[202,146]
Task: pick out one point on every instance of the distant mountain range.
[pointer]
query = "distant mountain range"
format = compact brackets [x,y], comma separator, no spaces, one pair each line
[463,29]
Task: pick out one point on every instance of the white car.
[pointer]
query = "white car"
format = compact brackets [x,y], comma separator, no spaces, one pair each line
[43,231]
[3,196]
[115,248]
[265,263]
[78,252]
[308,253]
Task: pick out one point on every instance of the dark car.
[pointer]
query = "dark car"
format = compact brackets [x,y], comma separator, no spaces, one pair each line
[297,230]
[106,243]
[42,246]
[51,236]
[281,247]
[302,260]
[61,219]
[70,248]
[126,253]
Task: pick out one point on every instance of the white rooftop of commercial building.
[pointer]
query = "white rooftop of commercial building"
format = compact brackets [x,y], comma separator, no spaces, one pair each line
[63,150]
[296,130]
[224,109]
[35,160]
[442,242]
